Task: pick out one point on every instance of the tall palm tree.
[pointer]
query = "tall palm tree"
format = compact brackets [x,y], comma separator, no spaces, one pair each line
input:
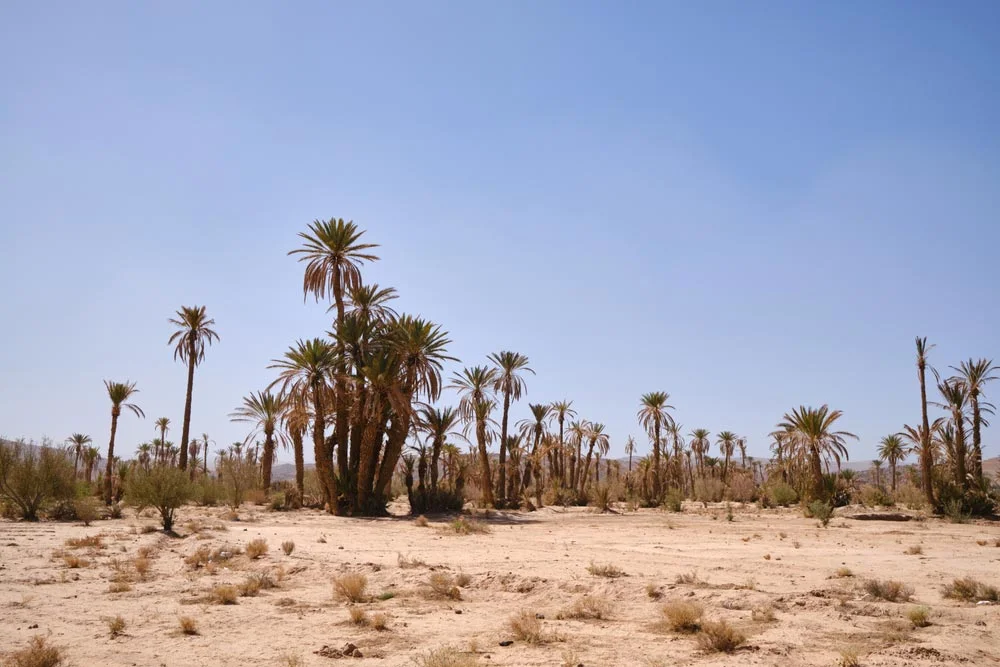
[78,442]
[699,445]
[205,442]
[474,386]
[119,393]
[162,424]
[726,440]
[194,333]
[630,450]
[305,373]
[892,451]
[955,394]
[926,461]
[811,432]
[741,442]
[577,436]
[653,416]
[596,438]
[561,410]
[533,430]
[263,410]
[438,424]
[976,373]
[510,383]
[90,456]
[297,418]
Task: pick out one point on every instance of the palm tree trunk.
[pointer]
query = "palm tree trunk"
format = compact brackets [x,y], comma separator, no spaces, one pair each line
[892,471]
[435,458]
[585,478]
[394,445]
[501,494]
[484,463]
[926,462]
[111,456]
[186,426]
[656,459]
[300,466]
[562,453]
[817,472]
[321,453]
[268,460]
[960,466]
[977,452]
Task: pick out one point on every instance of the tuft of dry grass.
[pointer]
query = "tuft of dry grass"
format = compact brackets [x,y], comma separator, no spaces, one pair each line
[141,565]
[443,586]
[38,653]
[409,562]
[350,587]
[462,579]
[970,590]
[75,562]
[607,570]
[224,594]
[690,578]
[380,622]
[189,626]
[920,617]
[719,636]
[249,587]
[463,526]
[116,626]
[421,521]
[888,590]
[525,627]
[90,541]
[445,657]
[119,587]
[358,616]
[682,616]
[763,614]
[848,658]
[256,548]
[843,573]
[653,592]
[288,546]
[596,607]
[915,550]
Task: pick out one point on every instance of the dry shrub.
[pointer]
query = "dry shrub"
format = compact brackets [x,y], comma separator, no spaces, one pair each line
[742,488]
[380,622]
[843,573]
[288,547]
[420,521]
[189,626]
[849,658]
[888,590]
[141,564]
[350,587]
[462,579]
[256,548]
[970,590]
[588,607]
[249,587]
[719,636]
[38,653]
[920,617]
[915,550]
[292,660]
[708,490]
[763,614]
[526,627]
[116,626]
[445,657]
[409,562]
[358,616]
[653,592]
[91,541]
[463,526]
[119,587]
[75,562]
[682,616]
[607,570]
[443,586]
[690,578]
[199,558]
[224,594]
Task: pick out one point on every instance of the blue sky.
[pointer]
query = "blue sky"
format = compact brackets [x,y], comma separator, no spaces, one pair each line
[751,206]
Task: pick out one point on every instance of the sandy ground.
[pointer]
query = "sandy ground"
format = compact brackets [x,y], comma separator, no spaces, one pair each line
[537,562]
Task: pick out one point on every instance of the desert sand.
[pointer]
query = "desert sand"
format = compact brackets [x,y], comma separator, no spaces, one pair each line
[534,561]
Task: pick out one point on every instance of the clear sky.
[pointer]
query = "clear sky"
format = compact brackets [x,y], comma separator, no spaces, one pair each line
[751,206]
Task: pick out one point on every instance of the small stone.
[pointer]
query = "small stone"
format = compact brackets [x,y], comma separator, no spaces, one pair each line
[458,611]
[33,626]
[540,617]
[358,654]
[506,642]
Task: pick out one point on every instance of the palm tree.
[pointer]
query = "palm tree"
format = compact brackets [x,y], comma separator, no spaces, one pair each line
[162,424]
[956,397]
[577,436]
[475,405]
[975,374]
[810,432]
[726,440]
[79,442]
[305,373]
[119,393]
[509,383]
[561,410]
[438,424]
[926,461]
[534,429]
[193,333]
[205,442]
[264,411]
[596,437]
[296,419]
[630,450]
[90,456]
[699,445]
[892,451]
[877,472]
[741,442]
[652,416]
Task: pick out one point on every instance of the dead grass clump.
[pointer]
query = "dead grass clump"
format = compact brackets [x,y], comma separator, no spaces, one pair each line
[358,616]
[409,562]
[445,657]
[525,627]
[463,526]
[443,586]
[653,592]
[288,547]
[843,573]
[462,579]
[116,626]
[849,658]
[38,653]
[224,594]
[682,616]
[199,558]
[420,521]
[690,578]
[90,541]
[256,548]
[915,550]
[763,614]
[920,617]
[189,626]
[75,562]
[596,607]
[970,590]
[380,622]
[350,587]
[249,587]
[141,565]
[719,636]
[607,570]
[119,587]
[888,590]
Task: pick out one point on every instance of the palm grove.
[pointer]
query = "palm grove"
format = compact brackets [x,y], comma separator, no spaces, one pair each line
[365,393]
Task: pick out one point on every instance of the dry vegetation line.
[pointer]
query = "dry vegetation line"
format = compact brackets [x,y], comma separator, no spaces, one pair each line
[539,589]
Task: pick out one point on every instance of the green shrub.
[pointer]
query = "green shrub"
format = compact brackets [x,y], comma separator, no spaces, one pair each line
[32,478]
[238,475]
[873,496]
[708,490]
[782,494]
[673,500]
[822,511]
[164,487]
